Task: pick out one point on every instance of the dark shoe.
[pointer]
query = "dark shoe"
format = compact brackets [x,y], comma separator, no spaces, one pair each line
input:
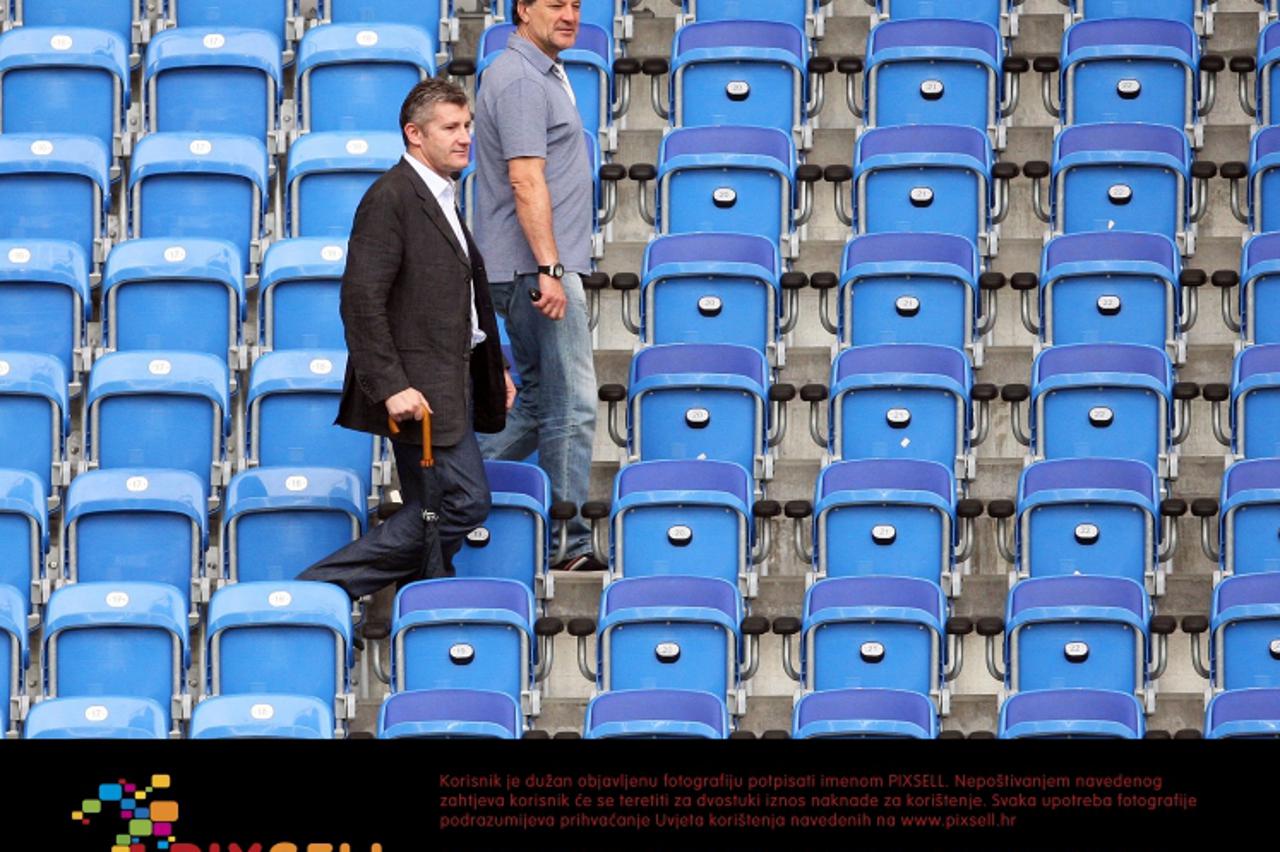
[581,562]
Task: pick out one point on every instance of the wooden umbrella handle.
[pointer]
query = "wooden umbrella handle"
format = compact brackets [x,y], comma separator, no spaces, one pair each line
[428,458]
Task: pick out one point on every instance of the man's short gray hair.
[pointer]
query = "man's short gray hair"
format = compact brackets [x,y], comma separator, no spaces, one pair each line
[420,103]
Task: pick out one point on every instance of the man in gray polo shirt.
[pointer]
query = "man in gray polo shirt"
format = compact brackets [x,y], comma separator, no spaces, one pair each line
[535,200]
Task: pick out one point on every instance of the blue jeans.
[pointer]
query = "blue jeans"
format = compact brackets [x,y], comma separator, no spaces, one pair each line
[555,411]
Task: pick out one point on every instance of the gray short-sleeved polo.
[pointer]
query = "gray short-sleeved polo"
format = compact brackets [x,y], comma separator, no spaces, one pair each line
[523,111]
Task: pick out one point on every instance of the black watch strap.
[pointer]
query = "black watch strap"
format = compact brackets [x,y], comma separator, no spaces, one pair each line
[555,270]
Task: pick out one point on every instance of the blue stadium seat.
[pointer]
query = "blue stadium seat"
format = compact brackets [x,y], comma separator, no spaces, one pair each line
[1243,713]
[864,712]
[56,188]
[45,301]
[65,80]
[269,715]
[1107,400]
[24,539]
[1194,13]
[515,539]
[103,640]
[933,179]
[212,186]
[35,418]
[1125,177]
[999,14]
[889,517]
[15,654]
[471,713]
[1250,518]
[905,401]
[279,520]
[656,714]
[804,15]
[1099,517]
[874,632]
[688,518]
[328,174]
[674,633]
[700,400]
[169,293]
[352,77]
[1077,631]
[706,174]
[132,524]
[289,638]
[712,288]
[1257,314]
[1255,399]
[437,19]
[292,403]
[1116,287]
[1132,70]
[1263,104]
[120,17]
[937,72]
[1243,649]
[202,80]
[1072,714]
[741,72]
[467,634]
[160,409]
[274,16]
[588,65]
[298,301]
[911,288]
[99,717]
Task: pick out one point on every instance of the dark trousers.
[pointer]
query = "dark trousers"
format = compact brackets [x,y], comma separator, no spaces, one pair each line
[392,551]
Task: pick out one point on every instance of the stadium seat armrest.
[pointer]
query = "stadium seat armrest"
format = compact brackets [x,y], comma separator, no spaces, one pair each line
[809,173]
[969,507]
[787,625]
[837,173]
[797,508]
[626,65]
[823,280]
[461,67]
[1173,507]
[849,65]
[754,625]
[1015,392]
[821,65]
[782,392]
[626,281]
[1233,170]
[793,281]
[1035,169]
[813,392]
[562,510]
[1242,64]
[655,66]
[548,625]
[613,393]
[582,626]
[595,510]
[642,171]
[1005,170]
[992,280]
[989,625]
[1163,625]
[959,625]
[984,392]
[1045,64]
[1000,509]
[1204,507]
[1185,390]
[766,509]
[1194,625]
[1216,392]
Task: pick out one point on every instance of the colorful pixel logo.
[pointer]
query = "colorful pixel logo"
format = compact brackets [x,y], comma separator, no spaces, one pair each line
[147,818]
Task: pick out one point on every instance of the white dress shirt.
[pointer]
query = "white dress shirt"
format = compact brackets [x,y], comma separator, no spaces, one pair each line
[557,68]
[443,190]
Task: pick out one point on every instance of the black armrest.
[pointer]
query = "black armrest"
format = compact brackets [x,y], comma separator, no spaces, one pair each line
[1001,509]
[1015,392]
[562,510]
[626,281]
[548,625]
[984,392]
[582,626]
[1225,278]
[786,625]
[626,65]
[613,172]
[969,507]
[595,281]
[755,625]
[1213,63]
[1185,390]
[1195,624]
[766,509]
[1233,170]
[1016,65]
[1242,64]
[1216,392]
[837,174]
[655,66]
[823,281]
[825,64]
[1173,507]
[376,629]
[461,68]
[1005,170]
[813,392]
[595,510]
[797,508]
[959,625]
[1192,278]
[612,393]
[1163,625]
[642,172]
[1045,64]
[990,625]
[1035,169]
[1204,169]
[849,64]
[793,281]
[1204,507]
[809,173]
[782,392]
[991,280]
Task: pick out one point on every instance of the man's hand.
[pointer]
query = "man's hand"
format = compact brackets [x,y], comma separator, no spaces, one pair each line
[511,389]
[408,404]
[553,301]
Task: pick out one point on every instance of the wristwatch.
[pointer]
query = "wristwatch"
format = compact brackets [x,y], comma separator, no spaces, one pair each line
[555,270]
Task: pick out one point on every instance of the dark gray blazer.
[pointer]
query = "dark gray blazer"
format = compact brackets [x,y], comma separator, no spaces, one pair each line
[407,316]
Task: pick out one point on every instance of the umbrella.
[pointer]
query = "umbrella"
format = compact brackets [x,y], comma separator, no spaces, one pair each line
[432,496]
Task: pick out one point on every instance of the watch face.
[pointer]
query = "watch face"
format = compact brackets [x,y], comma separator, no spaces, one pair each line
[557,271]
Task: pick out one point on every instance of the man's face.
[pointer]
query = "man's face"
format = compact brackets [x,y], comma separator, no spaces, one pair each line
[552,25]
[445,140]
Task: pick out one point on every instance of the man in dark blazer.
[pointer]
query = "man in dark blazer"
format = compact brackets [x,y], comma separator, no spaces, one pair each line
[421,335]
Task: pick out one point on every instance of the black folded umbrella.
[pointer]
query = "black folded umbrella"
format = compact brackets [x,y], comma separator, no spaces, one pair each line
[432,497]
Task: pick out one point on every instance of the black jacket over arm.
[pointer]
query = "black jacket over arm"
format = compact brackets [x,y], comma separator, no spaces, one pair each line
[406,313]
